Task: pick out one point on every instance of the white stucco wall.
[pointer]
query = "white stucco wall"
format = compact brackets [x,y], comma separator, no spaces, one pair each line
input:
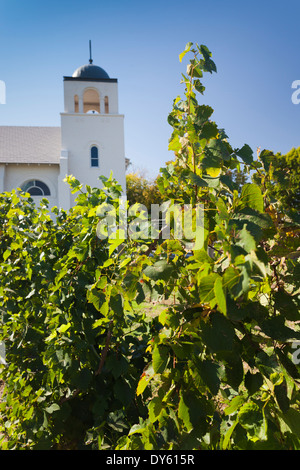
[80,132]
[63,189]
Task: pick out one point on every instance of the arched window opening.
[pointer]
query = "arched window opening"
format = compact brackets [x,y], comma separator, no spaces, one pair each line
[106,105]
[91,101]
[76,104]
[94,156]
[36,188]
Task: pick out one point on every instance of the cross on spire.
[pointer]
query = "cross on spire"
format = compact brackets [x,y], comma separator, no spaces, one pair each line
[91,60]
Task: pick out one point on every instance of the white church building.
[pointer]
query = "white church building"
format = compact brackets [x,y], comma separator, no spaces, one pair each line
[89,143]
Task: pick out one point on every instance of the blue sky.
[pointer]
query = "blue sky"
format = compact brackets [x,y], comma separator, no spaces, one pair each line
[255,46]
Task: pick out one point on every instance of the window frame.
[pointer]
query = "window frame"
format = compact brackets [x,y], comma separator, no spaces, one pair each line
[35,183]
[94,158]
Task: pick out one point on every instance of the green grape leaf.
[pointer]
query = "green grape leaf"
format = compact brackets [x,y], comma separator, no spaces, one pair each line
[186,50]
[251,196]
[160,270]
[246,240]
[280,392]
[207,287]
[219,334]
[246,154]
[250,417]
[220,295]
[209,373]
[155,407]
[160,358]
[193,410]
[253,382]
[234,405]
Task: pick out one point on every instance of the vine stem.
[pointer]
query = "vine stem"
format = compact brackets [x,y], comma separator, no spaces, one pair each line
[274,266]
[105,350]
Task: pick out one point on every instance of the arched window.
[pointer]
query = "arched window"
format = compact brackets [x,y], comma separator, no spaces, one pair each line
[36,188]
[94,156]
[76,104]
[91,101]
[106,105]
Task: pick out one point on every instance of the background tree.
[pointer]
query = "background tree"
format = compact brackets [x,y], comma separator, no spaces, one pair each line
[142,190]
[283,181]
[279,177]
[239,177]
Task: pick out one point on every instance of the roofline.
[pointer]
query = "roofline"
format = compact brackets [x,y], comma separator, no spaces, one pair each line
[13,162]
[85,79]
[31,127]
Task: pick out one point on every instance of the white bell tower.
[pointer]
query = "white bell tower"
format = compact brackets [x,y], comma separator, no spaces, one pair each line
[92,130]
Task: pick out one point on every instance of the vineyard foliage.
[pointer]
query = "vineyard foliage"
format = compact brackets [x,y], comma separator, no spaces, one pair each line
[87,368]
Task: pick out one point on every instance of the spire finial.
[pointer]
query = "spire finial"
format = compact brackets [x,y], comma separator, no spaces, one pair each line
[91,60]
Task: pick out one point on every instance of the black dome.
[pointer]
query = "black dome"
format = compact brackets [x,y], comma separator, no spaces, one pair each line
[90,71]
